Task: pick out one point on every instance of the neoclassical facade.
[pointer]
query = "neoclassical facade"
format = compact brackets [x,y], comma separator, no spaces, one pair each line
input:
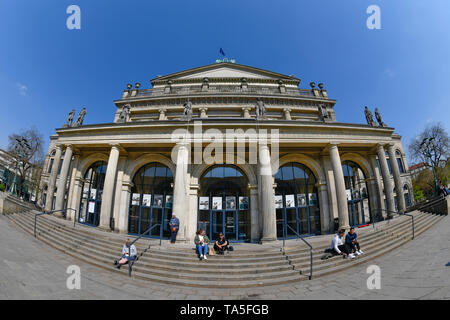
[228,148]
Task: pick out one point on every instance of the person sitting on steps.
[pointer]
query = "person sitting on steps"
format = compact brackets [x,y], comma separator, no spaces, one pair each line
[126,256]
[221,244]
[340,248]
[201,241]
[352,241]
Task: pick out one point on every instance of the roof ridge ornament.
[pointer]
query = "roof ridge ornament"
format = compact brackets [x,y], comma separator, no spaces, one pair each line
[225,60]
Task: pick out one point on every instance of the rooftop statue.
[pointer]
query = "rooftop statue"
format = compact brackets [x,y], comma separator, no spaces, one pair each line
[69,119]
[369,117]
[323,114]
[260,109]
[125,113]
[80,118]
[378,116]
[187,113]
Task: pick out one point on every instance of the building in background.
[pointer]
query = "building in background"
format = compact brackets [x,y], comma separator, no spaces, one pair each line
[288,165]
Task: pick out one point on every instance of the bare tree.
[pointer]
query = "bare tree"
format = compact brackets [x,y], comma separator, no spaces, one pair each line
[432,148]
[26,150]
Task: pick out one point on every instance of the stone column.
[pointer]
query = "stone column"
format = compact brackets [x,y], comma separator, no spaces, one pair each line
[331,191]
[52,180]
[124,207]
[180,189]
[255,231]
[340,187]
[71,190]
[192,218]
[118,191]
[397,179]
[388,190]
[62,182]
[108,189]
[267,208]
[324,210]
[378,187]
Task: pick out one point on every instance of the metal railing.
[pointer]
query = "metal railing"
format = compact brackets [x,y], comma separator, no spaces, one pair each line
[49,213]
[306,242]
[131,263]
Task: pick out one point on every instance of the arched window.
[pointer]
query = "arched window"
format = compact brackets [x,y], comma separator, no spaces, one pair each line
[151,200]
[91,197]
[224,204]
[357,194]
[296,201]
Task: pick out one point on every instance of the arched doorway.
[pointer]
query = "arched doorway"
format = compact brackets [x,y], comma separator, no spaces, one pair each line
[91,197]
[224,203]
[357,194]
[296,200]
[151,200]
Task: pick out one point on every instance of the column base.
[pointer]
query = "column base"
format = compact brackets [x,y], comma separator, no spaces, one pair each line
[346,227]
[268,240]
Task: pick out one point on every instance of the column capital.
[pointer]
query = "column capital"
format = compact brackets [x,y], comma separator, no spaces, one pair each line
[115,145]
[59,146]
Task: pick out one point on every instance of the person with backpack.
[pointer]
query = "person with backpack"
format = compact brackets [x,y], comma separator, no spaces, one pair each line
[340,248]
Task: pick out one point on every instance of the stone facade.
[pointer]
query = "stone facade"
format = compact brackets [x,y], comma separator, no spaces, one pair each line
[150,127]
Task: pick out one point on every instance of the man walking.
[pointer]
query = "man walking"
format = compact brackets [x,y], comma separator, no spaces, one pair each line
[174,226]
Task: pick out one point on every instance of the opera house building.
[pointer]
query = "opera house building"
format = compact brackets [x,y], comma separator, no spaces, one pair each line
[228,148]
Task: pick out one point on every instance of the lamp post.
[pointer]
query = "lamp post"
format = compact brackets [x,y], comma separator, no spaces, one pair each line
[425,145]
[22,149]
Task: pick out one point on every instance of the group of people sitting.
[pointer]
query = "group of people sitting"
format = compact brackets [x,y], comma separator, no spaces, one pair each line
[350,248]
[202,241]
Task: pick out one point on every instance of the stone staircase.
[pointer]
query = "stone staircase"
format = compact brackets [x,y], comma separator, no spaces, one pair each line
[243,268]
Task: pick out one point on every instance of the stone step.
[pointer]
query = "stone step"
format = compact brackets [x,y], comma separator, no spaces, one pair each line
[404,220]
[318,250]
[371,253]
[304,262]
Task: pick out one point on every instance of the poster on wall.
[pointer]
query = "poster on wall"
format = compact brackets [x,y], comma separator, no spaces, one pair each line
[169,201]
[217,203]
[230,203]
[146,200]
[290,202]
[158,201]
[278,202]
[312,199]
[136,197]
[93,193]
[243,203]
[203,203]
[91,206]
[301,200]
[349,194]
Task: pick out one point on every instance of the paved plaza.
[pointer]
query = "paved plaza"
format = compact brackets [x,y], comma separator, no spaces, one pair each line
[30,269]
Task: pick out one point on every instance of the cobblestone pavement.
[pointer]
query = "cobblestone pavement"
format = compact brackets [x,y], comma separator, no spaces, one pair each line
[30,269]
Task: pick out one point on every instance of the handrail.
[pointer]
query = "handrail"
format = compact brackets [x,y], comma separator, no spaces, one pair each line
[306,242]
[49,213]
[130,264]
[412,221]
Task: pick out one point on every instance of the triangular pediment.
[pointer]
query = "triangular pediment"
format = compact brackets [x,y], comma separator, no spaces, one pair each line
[225,70]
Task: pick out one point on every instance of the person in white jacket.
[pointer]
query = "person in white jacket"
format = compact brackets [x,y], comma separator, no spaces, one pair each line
[339,247]
[126,255]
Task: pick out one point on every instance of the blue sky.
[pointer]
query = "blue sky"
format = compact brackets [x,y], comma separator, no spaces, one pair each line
[47,70]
